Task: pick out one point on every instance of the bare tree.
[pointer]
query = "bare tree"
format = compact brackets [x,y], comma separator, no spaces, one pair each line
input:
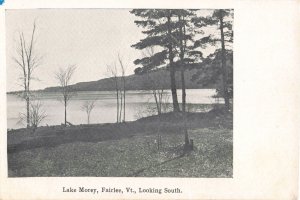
[123,69]
[27,60]
[87,107]
[37,114]
[64,76]
[120,87]
[113,72]
[121,104]
[156,86]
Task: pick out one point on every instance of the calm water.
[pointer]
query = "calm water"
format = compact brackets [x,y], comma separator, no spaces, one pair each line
[138,104]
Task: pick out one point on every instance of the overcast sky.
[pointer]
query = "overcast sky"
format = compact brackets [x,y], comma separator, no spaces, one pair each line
[87,38]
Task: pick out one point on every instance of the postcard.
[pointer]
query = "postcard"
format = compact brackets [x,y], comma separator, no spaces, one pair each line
[149,99]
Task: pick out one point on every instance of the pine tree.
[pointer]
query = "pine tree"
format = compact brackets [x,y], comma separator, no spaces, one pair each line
[173,31]
[160,28]
[187,56]
[222,20]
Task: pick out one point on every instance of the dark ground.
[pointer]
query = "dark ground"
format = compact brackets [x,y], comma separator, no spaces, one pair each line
[126,149]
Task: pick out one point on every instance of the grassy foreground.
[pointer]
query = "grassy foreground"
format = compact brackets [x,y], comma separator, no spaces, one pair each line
[127,149]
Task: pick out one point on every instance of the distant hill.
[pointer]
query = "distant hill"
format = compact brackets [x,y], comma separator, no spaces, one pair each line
[159,78]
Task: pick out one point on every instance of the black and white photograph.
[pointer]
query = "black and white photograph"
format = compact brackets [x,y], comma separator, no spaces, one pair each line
[120,92]
[151,99]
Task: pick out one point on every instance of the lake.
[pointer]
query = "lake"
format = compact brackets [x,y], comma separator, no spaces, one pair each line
[138,104]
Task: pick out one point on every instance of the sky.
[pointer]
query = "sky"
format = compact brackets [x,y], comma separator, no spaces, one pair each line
[88,38]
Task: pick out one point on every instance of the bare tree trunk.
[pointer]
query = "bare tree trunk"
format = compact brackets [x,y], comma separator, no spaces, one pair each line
[64,77]
[27,60]
[117,106]
[28,98]
[88,107]
[182,50]
[29,68]
[186,136]
[224,68]
[124,92]
[117,90]
[160,97]
[124,89]
[183,91]
[172,70]
[173,87]
[182,68]
[65,113]
[121,106]
[27,113]
[156,102]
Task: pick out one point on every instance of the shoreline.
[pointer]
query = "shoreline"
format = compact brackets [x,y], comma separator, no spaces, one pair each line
[51,151]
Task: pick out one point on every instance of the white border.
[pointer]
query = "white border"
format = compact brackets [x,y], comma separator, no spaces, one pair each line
[266,82]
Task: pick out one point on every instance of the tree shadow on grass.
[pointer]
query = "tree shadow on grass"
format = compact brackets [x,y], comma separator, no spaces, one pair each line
[135,174]
[54,136]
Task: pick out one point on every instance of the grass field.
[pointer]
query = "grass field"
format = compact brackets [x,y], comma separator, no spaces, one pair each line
[127,149]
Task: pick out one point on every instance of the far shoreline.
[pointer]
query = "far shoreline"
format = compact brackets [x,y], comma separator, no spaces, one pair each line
[43,91]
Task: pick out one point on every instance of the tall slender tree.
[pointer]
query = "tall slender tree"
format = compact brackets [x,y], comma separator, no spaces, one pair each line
[220,14]
[88,107]
[123,70]
[184,38]
[173,31]
[64,77]
[160,28]
[152,83]
[222,20]
[113,72]
[28,60]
